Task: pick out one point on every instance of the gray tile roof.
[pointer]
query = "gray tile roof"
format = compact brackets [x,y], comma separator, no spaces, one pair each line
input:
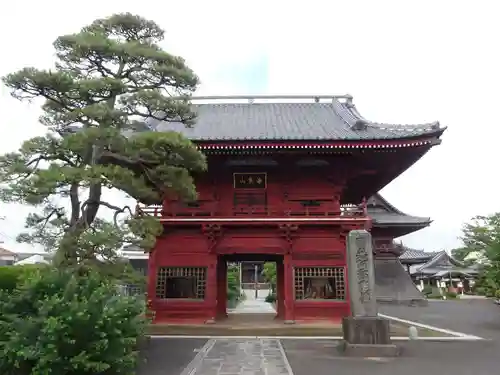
[387,218]
[416,254]
[336,120]
[384,213]
[440,264]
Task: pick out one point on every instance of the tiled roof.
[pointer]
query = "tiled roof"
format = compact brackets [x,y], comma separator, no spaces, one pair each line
[384,213]
[6,252]
[385,218]
[336,120]
[441,264]
[416,254]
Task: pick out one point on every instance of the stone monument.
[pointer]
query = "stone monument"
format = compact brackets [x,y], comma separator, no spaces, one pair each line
[365,333]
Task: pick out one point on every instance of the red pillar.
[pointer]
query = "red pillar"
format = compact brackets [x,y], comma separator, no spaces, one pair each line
[280,289]
[289,315]
[221,288]
[211,290]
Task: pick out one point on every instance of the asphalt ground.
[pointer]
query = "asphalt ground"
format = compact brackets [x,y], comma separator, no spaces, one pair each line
[170,356]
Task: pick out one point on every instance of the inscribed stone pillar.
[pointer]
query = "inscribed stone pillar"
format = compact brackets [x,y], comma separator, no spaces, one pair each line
[361,274]
[365,333]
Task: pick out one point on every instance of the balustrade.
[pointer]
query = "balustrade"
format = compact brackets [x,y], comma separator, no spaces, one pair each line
[211,209]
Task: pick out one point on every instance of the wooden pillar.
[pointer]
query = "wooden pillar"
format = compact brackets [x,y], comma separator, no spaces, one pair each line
[221,288]
[280,289]
[289,315]
[211,290]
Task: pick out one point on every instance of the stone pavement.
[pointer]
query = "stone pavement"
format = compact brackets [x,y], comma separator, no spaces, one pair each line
[250,305]
[241,357]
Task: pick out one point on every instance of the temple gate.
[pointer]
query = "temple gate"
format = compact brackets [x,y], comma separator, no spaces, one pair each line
[286,182]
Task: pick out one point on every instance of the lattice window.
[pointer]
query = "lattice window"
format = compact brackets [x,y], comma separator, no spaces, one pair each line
[181,282]
[319,283]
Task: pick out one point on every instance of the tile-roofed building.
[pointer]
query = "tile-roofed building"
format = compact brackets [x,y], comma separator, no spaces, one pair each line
[304,159]
[266,118]
[7,257]
[440,265]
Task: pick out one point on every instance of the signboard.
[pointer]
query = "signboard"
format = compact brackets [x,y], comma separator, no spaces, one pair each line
[250,180]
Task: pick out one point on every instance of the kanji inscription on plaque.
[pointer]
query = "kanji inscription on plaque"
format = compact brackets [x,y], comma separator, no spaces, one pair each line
[250,180]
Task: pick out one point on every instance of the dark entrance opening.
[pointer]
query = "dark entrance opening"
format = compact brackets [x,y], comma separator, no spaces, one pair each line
[254,304]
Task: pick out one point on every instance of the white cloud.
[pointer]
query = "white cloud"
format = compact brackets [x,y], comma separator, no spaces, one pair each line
[403,62]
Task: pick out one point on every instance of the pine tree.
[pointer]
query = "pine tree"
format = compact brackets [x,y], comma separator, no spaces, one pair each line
[108,80]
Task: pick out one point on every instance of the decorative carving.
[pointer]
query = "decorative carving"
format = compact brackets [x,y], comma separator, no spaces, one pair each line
[213,233]
[363,206]
[288,232]
[386,247]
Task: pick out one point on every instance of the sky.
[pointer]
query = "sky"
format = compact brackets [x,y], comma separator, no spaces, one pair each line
[403,62]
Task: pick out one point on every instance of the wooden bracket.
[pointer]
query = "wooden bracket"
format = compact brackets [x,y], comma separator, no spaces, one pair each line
[288,232]
[213,233]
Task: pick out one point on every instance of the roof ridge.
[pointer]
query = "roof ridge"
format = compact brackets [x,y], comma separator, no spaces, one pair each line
[251,98]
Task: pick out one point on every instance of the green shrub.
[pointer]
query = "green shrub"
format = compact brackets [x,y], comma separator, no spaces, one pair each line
[435,296]
[270,274]
[497,294]
[11,276]
[451,295]
[271,298]
[427,290]
[58,323]
[233,284]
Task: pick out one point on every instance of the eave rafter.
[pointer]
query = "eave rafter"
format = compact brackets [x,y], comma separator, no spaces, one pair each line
[381,145]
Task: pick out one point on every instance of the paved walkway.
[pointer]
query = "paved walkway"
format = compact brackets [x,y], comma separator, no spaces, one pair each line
[240,357]
[254,306]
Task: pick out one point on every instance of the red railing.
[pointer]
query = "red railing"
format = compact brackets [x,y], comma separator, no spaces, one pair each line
[179,210]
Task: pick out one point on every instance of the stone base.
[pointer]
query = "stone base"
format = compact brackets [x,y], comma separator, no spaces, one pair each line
[366,330]
[367,337]
[368,350]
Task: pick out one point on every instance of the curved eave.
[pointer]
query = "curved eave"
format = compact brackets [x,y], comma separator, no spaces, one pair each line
[413,261]
[405,221]
[429,129]
[398,230]
[396,210]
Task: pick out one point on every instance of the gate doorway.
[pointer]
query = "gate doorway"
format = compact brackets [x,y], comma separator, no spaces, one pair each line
[244,293]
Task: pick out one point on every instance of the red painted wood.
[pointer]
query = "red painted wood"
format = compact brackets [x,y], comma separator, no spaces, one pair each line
[421,142]
[221,289]
[280,289]
[314,243]
[288,293]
